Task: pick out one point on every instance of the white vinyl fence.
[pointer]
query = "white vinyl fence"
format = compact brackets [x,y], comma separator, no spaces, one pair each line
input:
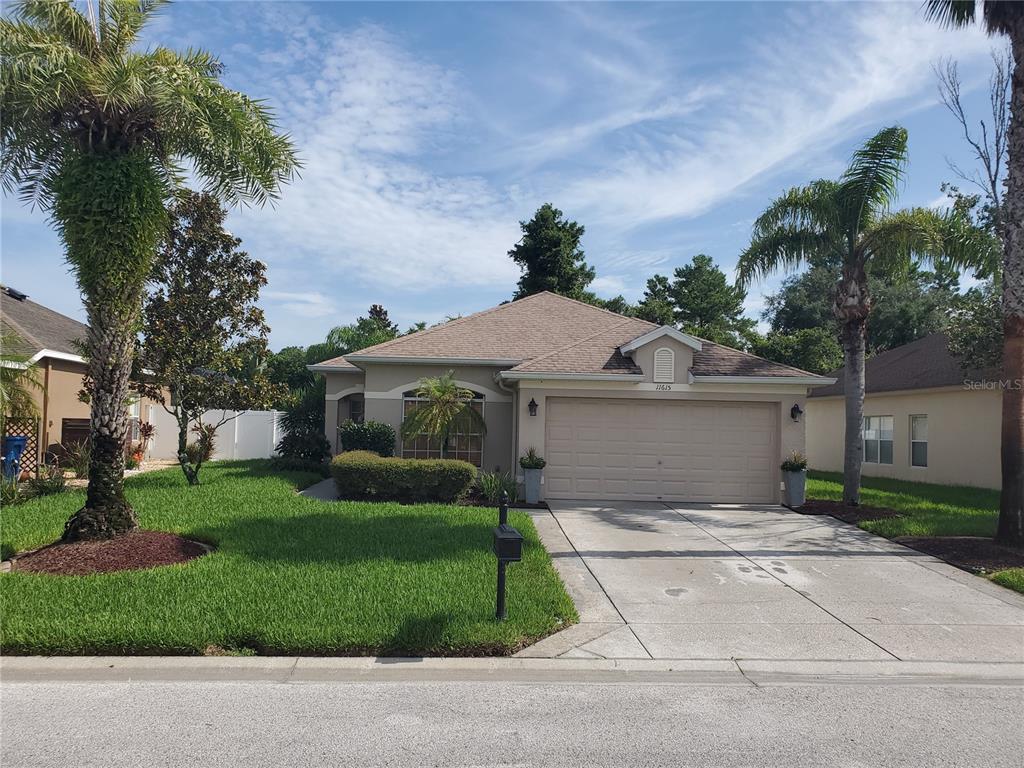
[250,435]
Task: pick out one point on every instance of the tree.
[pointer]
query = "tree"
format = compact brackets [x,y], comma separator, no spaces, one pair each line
[550,255]
[705,305]
[657,306]
[810,349]
[976,329]
[849,220]
[375,328]
[19,380]
[287,369]
[446,408]
[204,340]
[1006,18]
[94,130]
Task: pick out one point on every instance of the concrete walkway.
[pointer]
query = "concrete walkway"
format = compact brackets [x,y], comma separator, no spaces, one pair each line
[653,581]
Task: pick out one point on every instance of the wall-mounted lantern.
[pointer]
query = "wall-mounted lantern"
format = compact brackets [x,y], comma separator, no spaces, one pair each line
[795,411]
[532,406]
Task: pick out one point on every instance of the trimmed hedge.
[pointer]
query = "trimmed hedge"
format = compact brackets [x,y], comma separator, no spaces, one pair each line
[365,476]
[375,436]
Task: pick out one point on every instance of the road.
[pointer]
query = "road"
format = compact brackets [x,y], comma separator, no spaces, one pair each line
[637,720]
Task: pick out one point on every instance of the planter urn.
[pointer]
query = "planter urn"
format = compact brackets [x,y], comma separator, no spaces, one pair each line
[531,481]
[795,484]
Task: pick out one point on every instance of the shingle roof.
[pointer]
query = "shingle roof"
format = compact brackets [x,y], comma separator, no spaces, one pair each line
[923,364]
[39,327]
[548,333]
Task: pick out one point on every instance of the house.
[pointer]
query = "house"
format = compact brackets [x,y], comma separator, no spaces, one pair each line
[925,418]
[51,342]
[621,408]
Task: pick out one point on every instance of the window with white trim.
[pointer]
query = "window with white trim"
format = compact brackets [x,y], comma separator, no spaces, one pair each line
[664,366]
[919,441]
[878,439]
[465,442]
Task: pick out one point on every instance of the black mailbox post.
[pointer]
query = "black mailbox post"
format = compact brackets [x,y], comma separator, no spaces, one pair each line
[508,546]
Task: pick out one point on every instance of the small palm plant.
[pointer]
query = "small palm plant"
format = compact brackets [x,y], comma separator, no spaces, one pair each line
[446,409]
[849,223]
[97,131]
[19,381]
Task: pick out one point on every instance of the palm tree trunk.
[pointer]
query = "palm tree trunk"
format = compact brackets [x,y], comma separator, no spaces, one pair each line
[1011,501]
[852,305]
[111,343]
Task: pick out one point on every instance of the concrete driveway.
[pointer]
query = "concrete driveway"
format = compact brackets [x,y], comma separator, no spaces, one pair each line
[761,582]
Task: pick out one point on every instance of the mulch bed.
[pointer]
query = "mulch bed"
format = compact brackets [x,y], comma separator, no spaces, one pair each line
[475,500]
[844,512]
[972,553]
[133,551]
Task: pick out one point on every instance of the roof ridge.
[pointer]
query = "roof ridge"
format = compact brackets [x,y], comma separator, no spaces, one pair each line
[758,357]
[593,306]
[609,329]
[439,326]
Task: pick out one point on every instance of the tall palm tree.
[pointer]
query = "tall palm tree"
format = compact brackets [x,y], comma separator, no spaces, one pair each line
[93,130]
[1006,18]
[849,223]
[446,408]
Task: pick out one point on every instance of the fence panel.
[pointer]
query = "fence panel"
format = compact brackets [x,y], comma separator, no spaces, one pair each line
[25,428]
[249,435]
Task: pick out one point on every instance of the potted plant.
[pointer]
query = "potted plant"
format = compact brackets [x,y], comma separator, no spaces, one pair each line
[532,464]
[794,478]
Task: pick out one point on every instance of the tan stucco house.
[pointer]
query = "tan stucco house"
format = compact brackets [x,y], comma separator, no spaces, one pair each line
[51,341]
[925,418]
[621,408]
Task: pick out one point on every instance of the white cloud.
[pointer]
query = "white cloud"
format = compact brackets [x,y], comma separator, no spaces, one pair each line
[301,303]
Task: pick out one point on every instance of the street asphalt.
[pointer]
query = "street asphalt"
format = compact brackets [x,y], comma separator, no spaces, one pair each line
[488,721]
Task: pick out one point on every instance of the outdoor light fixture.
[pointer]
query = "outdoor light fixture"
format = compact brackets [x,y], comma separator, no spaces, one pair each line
[795,411]
[532,405]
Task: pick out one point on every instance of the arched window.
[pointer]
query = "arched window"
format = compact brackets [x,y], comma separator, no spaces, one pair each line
[664,366]
[465,442]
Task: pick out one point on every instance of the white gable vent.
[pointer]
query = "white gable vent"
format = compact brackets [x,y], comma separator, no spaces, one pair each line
[664,366]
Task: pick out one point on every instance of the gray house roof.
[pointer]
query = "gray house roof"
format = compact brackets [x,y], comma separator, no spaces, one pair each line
[923,364]
[38,327]
[549,333]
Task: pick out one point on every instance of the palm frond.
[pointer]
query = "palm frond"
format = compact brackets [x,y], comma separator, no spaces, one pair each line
[871,182]
[61,21]
[120,22]
[784,248]
[900,240]
[19,379]
[950,13]
[811,208]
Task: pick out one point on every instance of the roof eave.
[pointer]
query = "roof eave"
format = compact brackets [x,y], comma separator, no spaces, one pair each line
[542,375]
[409,360]
[807,381]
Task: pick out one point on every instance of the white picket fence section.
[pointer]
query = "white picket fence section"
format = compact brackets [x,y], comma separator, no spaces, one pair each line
[250,435]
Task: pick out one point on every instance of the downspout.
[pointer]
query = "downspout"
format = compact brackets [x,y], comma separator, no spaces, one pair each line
[515,421]
[44,425]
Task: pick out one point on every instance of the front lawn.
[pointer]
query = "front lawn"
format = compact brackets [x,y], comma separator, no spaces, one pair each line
[290,575]
[926,510]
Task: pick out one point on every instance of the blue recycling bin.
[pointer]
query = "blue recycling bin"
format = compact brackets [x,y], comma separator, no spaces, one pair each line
[10,453]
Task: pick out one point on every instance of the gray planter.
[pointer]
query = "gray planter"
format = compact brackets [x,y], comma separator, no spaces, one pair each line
[531,479]
[796,487]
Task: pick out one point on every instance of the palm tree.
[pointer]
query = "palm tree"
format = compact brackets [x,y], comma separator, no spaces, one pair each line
[446,409]
[93,130]
[848,223]
[19,380]
[1006,18]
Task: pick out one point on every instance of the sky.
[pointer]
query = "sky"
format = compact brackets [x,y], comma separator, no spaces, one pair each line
[427,131]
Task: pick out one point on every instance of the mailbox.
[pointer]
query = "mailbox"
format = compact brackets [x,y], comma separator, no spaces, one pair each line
[508,544]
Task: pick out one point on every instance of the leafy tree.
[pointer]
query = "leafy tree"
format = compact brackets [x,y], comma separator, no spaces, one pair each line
[657,305]
[550,255]
[976,329]
[375,328]
[19,380]
[803,301]
[616,304]
[810,349]
[849,220]
[94,129]
[204,341]
[1006,18]
[287,369]
[446,407]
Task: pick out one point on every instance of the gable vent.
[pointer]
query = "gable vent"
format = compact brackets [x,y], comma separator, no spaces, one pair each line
[664,366]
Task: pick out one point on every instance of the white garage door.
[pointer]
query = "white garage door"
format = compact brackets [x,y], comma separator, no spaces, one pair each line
[653,450]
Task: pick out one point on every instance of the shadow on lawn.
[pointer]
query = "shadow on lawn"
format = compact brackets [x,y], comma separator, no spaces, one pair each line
[333,538]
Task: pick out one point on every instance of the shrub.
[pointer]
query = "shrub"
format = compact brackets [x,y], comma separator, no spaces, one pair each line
[293,464]
[373,436]
[50,481]
[307,447]
[364,475]
[76,458]
[131,461]
[493,484]
[206,442]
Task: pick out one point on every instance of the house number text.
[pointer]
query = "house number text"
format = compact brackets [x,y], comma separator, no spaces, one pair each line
[663,387]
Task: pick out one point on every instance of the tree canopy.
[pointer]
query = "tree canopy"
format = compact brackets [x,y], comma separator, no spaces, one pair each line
[550,255]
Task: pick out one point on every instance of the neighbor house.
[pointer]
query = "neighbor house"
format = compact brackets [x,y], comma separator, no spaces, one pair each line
[51,342]
[925,418]
[621,408]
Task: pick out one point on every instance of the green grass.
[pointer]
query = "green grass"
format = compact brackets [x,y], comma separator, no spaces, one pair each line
[927,510]
[290,575]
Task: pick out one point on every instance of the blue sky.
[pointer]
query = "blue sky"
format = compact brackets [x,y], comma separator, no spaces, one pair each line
[428,130]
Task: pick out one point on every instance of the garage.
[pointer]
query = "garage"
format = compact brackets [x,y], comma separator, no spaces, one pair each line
[655,450]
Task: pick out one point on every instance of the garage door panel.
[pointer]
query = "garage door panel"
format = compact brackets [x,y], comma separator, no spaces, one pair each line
[651,450]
